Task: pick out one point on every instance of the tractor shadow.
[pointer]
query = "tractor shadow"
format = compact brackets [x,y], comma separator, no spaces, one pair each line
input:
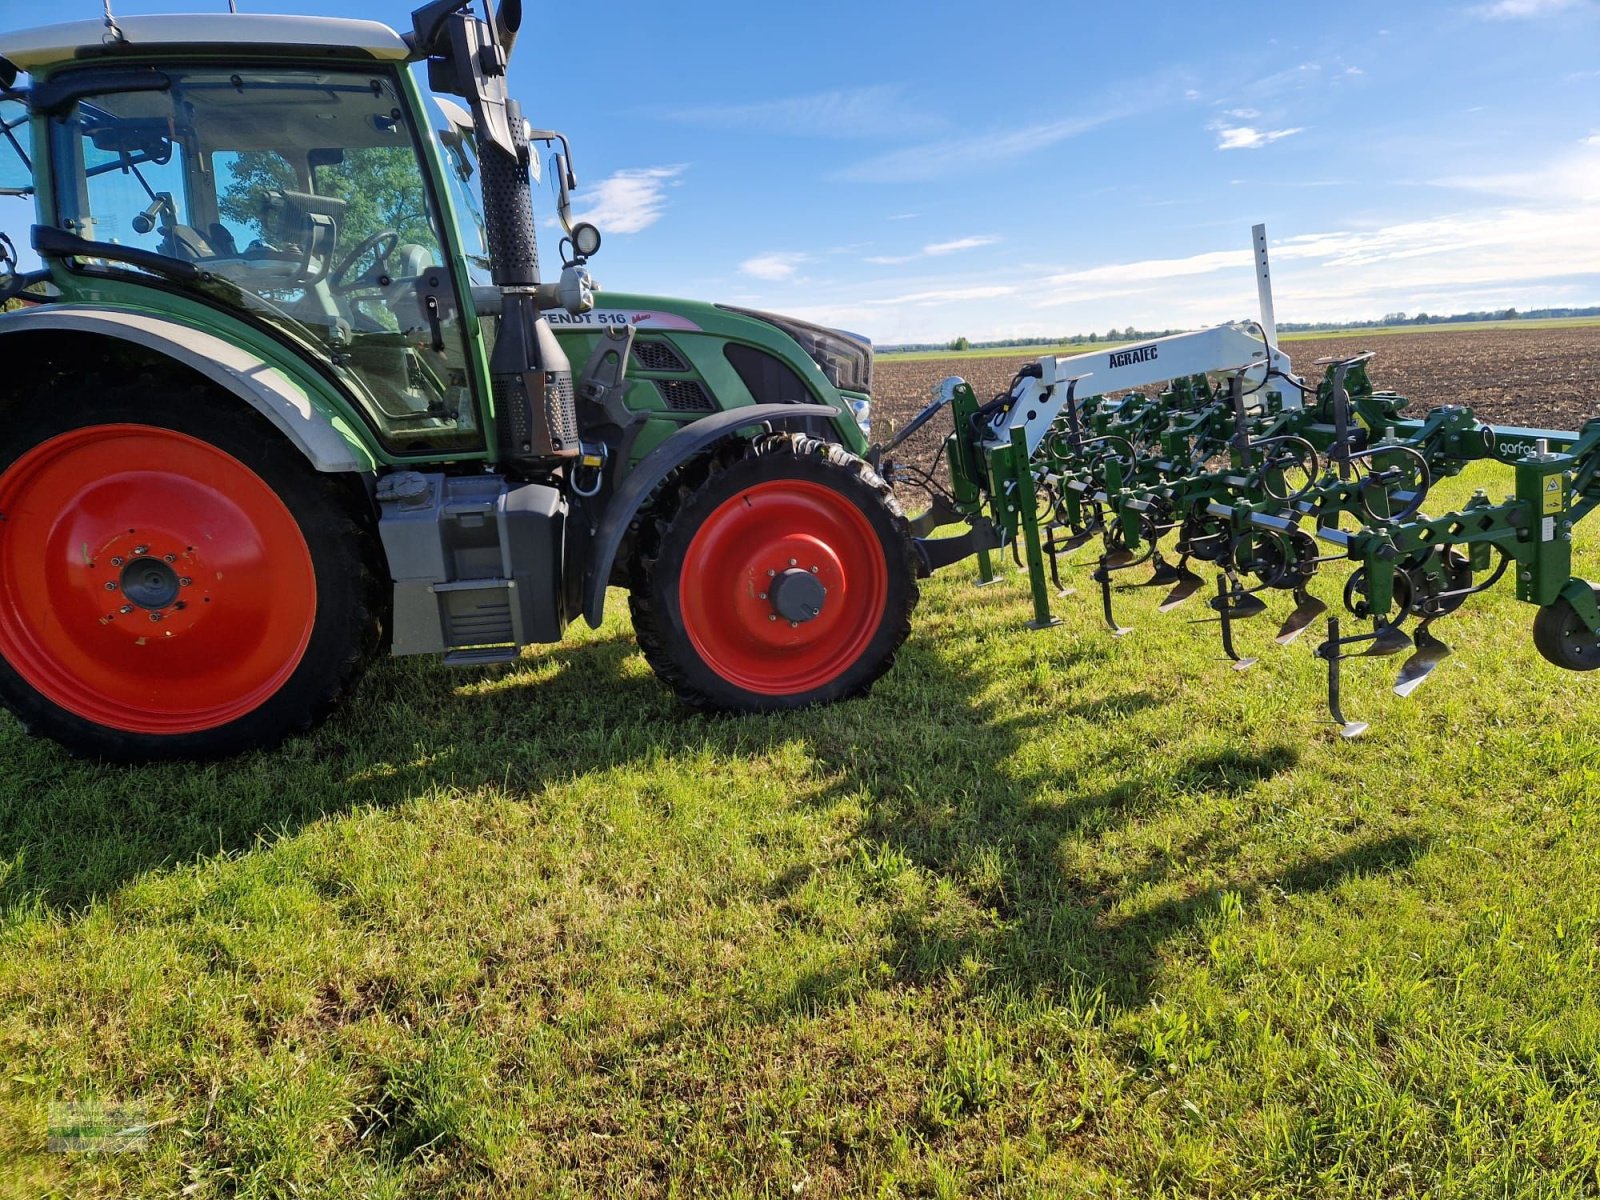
[944,765]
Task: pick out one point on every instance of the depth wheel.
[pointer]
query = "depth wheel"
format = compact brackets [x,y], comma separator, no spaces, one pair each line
[175,580]
[781,575]
[1560,635]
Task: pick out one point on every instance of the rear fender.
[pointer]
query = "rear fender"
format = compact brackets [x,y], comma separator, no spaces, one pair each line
[652,471]
[231,367]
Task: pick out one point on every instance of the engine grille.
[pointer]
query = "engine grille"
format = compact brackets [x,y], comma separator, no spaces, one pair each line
[657,356]
[684,395]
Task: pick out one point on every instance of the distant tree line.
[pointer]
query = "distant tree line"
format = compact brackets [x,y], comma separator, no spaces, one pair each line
[1130,334]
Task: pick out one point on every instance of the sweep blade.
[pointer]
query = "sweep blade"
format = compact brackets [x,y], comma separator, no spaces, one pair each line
[1245,604]
[1430,653]
[1390,640]
[1188,584]
[1308,610]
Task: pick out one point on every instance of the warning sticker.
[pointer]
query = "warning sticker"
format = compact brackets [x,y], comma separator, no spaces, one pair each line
[1553,494]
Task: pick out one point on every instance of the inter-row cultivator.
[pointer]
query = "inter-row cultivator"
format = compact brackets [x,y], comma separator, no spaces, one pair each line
[1242,469]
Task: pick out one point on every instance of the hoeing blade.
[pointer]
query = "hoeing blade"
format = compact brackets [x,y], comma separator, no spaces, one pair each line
[1306,611]
[1430,653]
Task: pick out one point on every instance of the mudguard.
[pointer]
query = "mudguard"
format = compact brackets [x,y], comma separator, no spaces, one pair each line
[652,470]
[265,388]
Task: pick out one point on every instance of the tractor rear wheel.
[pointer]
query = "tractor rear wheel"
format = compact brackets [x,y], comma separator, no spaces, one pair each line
[176,581]
[778,575]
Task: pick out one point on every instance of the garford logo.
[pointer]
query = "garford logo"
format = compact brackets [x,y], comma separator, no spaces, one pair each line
[1517,449]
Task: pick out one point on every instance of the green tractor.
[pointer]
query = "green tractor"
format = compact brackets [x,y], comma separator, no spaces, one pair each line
[290,390]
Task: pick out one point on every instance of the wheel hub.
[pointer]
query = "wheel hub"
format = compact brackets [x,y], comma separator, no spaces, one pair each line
[150,583]
[797,595]
[147,576]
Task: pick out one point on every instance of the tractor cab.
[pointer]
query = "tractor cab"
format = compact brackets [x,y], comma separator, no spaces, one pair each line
[295,196]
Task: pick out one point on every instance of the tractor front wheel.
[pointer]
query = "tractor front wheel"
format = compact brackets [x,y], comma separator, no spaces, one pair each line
[175,580]
[778,575]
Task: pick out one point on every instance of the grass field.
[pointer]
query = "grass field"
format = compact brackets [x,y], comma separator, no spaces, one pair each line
[1067,348]
[1049,914]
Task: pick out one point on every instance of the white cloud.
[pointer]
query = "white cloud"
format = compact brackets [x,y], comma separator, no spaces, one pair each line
[966,243]
[1243,137]
[776,267]
[934,160]
[630,200]
[1243,114]
[1513,10]
[879,110]
[1571,176]
[1486,258]
[935,250]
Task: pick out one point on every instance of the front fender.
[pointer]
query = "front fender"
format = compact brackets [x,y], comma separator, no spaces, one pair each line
[231,367]
[651,471]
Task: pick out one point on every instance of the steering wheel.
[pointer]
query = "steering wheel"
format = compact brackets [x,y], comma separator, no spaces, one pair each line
[380,246]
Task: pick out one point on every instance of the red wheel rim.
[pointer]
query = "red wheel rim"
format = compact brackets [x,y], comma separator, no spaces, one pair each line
[149,582]
[735,561]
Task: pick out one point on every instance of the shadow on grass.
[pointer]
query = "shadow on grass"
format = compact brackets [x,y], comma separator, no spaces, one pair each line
[939,762]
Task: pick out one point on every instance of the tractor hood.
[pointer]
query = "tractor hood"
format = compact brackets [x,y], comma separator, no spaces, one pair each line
[845,358]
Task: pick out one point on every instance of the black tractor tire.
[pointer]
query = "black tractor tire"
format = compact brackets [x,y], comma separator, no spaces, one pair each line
[1560,635]
[221,594]
[787,526]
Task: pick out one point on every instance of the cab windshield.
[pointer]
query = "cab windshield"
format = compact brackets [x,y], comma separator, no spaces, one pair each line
[301,193]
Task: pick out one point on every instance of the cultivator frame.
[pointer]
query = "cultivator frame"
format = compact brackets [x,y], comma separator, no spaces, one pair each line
[1242,465]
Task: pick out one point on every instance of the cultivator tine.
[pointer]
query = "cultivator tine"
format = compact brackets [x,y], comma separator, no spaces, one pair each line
[1188,583]
[1430,653]
[1055,566]
[1226,611]
[1102,576]
[1307,609]
[1116,559]
[1330,651]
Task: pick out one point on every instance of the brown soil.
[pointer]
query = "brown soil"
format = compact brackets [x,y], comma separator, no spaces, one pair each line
[1547,378]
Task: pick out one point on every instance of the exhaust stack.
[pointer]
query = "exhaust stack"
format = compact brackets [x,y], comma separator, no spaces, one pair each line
[507,23]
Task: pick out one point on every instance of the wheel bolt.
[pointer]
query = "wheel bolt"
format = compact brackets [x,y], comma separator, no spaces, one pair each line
[116,562]
[761,596]
[141,549]
[813,570]
[125,609]
[185,581]
[771,574]
[794,624]
[155,616]
[772,616]
[110,586]
[171,558]
[791,562]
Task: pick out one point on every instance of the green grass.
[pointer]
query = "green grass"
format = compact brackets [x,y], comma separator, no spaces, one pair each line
[1067,348]
[1049,914]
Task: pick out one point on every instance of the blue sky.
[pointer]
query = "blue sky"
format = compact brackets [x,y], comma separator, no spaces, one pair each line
[922,171]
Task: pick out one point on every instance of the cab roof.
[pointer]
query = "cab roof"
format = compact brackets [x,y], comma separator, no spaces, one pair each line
[240,33]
